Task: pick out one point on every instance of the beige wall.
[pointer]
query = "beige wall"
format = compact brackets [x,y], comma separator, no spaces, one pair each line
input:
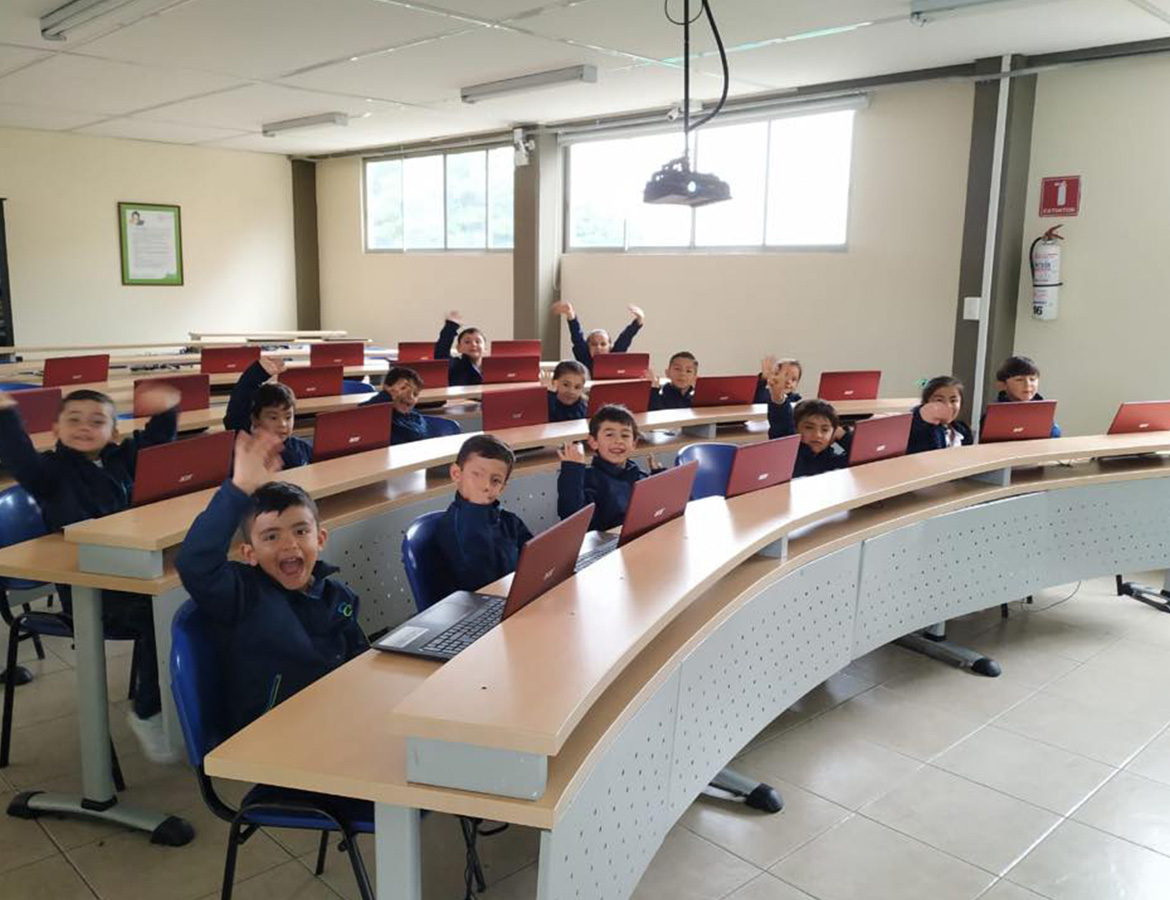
[886,302]
[1104,122]
[62,221]
[393,297]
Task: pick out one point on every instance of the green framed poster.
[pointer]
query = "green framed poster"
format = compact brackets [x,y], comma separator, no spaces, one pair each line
[152,243]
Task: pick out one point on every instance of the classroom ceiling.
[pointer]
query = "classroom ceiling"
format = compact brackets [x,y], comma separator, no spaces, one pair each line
[211,72]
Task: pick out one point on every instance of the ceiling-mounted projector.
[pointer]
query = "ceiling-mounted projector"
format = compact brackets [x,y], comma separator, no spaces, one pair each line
[676,183]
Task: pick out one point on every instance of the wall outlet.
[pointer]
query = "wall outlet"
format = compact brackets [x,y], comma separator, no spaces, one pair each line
[971,308]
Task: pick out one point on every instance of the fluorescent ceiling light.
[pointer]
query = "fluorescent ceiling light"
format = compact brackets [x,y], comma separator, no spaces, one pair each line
[272,129]
[75,13]
[476,92]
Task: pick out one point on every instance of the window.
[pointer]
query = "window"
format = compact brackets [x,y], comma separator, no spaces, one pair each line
[789,181]
[447,201]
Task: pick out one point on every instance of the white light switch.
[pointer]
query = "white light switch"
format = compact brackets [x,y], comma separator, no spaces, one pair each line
[971,308]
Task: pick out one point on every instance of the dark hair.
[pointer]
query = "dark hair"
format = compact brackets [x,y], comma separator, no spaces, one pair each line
[402,373]
[612,412]
[276,496]
[1015,366]
[469,330]
[273,394]
[815,407]
[941,381]
[489,447]
[684,354]
[85,394]
[567,366]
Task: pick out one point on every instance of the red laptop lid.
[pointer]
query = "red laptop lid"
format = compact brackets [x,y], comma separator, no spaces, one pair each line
[620,365]
[313,381]
[63,371]
[415,351]
[633,395]
[514,409]
[725,390]
[656,500]
[215,360]
[757,466]
[182,467]
[1023,421]
[337,353]
[516,348]
[882,437]
[365,427]
[547,560]
[858,385]
[38,408]
[435,373]
[510,369]
[1135,417]
[194,390]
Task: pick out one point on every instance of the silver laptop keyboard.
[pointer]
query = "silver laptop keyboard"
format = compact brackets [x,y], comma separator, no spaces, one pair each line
[592,556]
[467,631]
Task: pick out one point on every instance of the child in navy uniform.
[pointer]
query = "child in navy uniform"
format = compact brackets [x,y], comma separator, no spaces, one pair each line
[613,435]
[279,620]
[677,393]
[587,346]
[90,473]
[401,388]
[821,448]
[255,405]
[777,387]
[1020,378]
[478,539]
[566,391]
[469,342]
[936,424]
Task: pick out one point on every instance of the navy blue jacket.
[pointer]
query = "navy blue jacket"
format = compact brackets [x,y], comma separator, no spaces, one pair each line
[924,436]
[479,542]
[1004,398]
[460,369]
[270,642]
[238,416]
[602,483]
[404,427]
[670,397]
[581,346]
[781,421]
[835,456]
[560,412]
[70,487]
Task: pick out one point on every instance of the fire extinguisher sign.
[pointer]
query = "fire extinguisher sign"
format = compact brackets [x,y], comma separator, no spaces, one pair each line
[1060,196]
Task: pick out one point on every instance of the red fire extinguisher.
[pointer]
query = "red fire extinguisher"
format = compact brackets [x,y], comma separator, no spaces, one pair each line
[1044,262]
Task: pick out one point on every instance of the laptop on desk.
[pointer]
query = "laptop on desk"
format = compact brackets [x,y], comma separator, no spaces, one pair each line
[216,360]
[38,408]
[1026,420]
[724,390]
[435,373]
[758,466]
[64,371]
[416,351]
[313,381]
[620,365]
[194,390]
[516,348]
[633,395]
[1135,417]
[514,409]
[858,385]
[181,467]
[510,369]
[337,353]
[882,437]
[347,431]
[444,629]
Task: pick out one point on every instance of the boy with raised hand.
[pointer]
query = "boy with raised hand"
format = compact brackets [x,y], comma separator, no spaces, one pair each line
[90,473]
[566,391]
[477,538]
[279,621]
[824,446]
[777,388]
[613,436]
[587,346]
[401,388]
[1020,377]
[681,374]
[471,346]
[257,404]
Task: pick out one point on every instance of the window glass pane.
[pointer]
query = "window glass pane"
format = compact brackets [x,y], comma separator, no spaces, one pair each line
[652,224]
[384,204]
[500,187]
[808,189]
[597,194]
[422,202]
[737,154]
[467,201]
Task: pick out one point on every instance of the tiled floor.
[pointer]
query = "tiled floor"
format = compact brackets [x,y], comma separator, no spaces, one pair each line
[903,779]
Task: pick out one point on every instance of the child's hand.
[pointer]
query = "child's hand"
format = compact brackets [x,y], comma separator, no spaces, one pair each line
[455,316]
[838,434]
[637,313]
[656,466]
[564,308]
[272,365]
[155,400]
[6,400]
[572,453]
[768,367]
[936,413]
[257,459]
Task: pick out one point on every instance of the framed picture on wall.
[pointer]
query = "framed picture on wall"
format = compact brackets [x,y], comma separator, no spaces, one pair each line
[152,243]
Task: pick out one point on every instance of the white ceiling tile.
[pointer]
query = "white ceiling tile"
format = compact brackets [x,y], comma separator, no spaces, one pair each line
[496,9]
[167,132]
[15,115]
[95,85]
[20,21]
[13,57]
[267,38]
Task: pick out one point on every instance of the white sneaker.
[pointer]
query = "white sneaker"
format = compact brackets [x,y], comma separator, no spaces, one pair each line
[153,737]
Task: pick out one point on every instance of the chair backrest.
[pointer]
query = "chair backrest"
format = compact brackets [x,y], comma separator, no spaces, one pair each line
[440,427]
[422,561]
[195,682]
[20,520]
[714,467]
[10,386]
[350,386]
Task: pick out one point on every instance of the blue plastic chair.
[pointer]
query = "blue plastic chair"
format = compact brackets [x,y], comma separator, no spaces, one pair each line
[352,386]
[11,386]
[421,559]
[714,467]
[440,427]
[197,692]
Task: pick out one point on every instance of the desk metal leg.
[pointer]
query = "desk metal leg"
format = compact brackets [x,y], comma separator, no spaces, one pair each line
[98,799]
[164,608]
[1150,596]
[933,642]
[398,850]
[755,794]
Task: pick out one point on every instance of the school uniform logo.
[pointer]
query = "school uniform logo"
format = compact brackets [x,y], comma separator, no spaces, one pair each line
[345,608]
